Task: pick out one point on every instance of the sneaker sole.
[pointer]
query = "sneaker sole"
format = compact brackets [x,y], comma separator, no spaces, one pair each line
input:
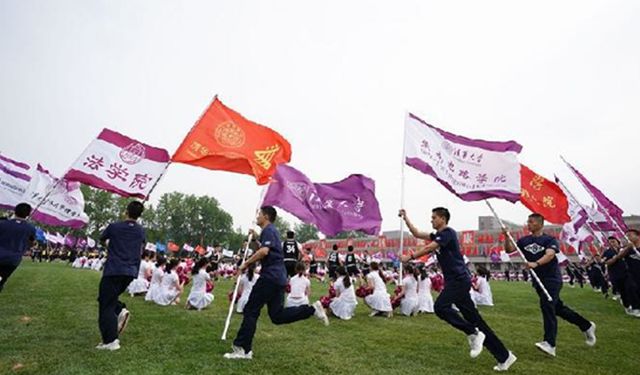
[545,352]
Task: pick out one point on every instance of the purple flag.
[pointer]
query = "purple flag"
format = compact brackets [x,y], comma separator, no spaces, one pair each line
[69,240]
[603,202]
[345,205]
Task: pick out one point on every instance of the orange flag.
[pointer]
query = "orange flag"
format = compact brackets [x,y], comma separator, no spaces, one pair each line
[200,250]
[543,196]
[173,247]
[224,140]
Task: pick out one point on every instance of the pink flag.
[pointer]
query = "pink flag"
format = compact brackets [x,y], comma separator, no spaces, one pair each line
[604,203]
[119,164]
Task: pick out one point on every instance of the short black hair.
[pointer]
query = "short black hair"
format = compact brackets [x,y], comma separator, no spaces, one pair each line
[349,248]
[134,210]
[538,217]
[335,247]
[442,212]
[22,210]
[631,230]
[290,234]
[614,238]
[270,213]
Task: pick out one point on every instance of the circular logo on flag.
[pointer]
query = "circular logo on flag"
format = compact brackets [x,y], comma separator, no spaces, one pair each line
[229,134]
[133,153]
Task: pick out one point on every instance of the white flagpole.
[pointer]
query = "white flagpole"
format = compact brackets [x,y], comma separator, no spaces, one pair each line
[533,273]
[244,258]
[404,141]
[615,223]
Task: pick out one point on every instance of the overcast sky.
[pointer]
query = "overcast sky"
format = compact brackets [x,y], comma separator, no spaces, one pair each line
[335,78]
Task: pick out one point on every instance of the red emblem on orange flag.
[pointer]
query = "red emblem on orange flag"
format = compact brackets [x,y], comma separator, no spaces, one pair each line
[224,140]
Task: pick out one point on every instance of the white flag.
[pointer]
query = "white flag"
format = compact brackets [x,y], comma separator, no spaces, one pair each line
[122,165]
[471,169]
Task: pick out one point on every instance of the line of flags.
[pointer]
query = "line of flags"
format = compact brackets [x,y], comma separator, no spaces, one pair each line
[222,139]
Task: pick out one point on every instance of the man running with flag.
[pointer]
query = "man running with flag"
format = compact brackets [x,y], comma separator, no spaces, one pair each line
[456,290]
[540,252]
[269,289]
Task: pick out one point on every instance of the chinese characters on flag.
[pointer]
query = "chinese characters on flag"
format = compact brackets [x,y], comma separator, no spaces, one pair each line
[119,164]
[543,196]
[224,140]
[472,169]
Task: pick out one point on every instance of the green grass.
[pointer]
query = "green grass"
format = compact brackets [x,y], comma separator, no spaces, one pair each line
[48,324]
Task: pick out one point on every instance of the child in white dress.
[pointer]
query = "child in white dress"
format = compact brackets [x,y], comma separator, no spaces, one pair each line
[344,304]
[247,281]
[425,301]
[480,290]
[300,288]
[141,284]
[156,279]
[379,301]
[170,288]
[409,302]
[198,297]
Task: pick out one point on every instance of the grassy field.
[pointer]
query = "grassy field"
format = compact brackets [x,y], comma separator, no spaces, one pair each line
[48,325]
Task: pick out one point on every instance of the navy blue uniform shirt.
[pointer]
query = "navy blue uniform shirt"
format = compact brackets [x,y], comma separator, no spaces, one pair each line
[273,264]
[618,270]
[534,248]
[15,235]
[126,241]
[449,256]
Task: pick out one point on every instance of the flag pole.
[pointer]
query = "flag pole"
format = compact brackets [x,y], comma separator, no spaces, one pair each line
[402,168]
[146,199]
[244,258]
[602,209]
[533,273]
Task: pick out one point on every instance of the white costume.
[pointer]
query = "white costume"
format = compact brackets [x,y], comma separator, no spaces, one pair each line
[425,301]
[344,305]
[246,286]
[483,296]
[199,298]
[78,262]
[154,286]
[298,295]
[379,300]
[409,304]
[168,289]
[140,284]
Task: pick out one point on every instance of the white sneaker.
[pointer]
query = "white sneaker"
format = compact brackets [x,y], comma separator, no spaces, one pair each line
[373,313]
[504,366]
[590,334]
[123,320]
[238,353]
[635,313]
[114,345]
[475,342]
[546,348]
[320,313]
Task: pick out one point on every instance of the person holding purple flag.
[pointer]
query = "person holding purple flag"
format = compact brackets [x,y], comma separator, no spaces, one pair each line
[456,290]
[269,289]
